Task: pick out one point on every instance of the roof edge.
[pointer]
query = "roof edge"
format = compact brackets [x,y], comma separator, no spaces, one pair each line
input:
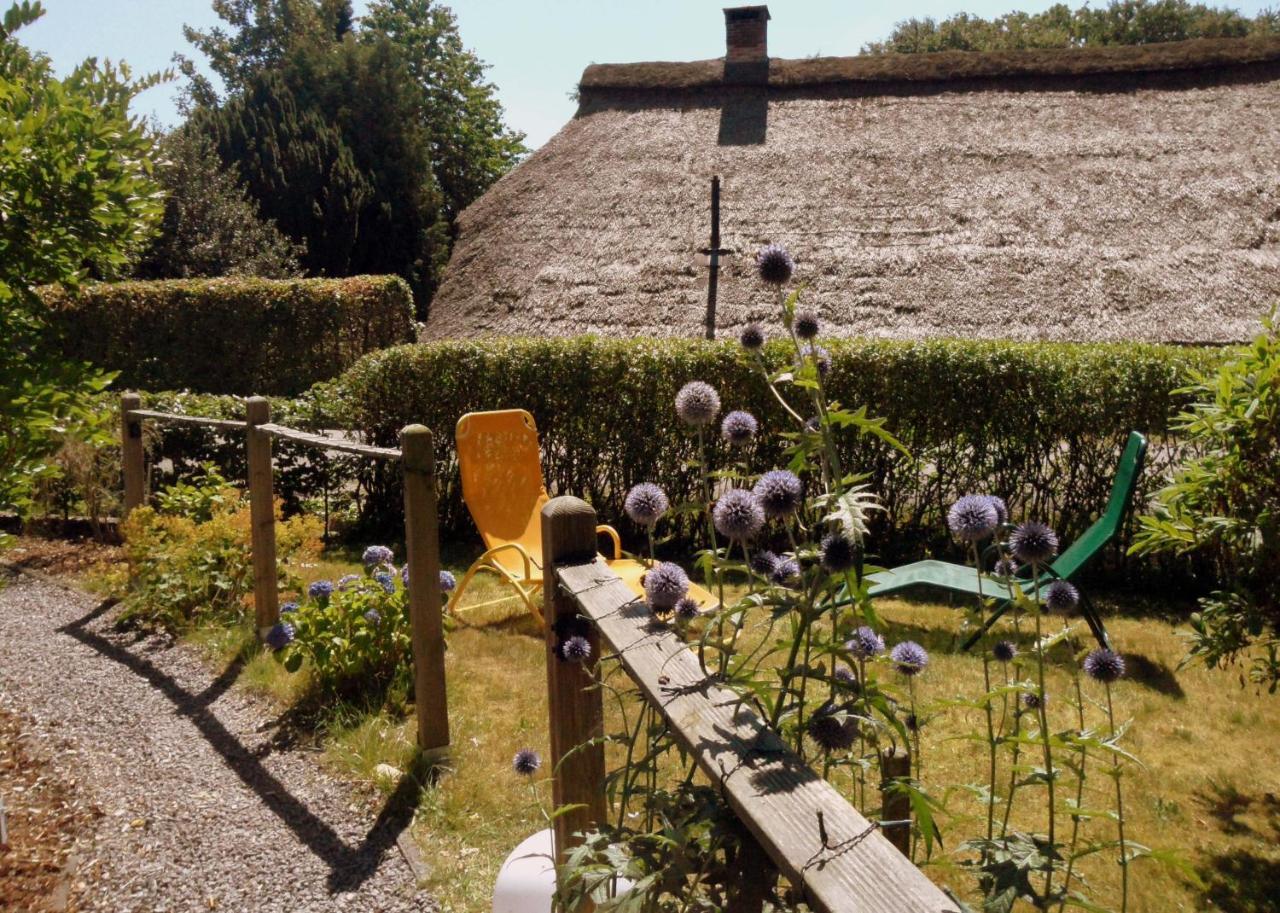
[941,66]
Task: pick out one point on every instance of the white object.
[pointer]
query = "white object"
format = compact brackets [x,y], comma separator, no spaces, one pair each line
[527,879]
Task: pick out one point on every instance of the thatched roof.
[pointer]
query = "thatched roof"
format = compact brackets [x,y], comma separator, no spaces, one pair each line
[1113,193]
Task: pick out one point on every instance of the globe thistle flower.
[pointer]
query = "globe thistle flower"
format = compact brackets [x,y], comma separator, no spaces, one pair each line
[813,424]
[347,581]
[821,357]
[664,585]
[386,581]
[845,676]
[752,337]
[374,617]
[526,762]
[739,427]
[1061,596]
[909,657]
[786,572]
[806,325]
[575,649]
[779,492]
[687,609]
[321,589]
[280,636]
[838,553]
[1002,509]
[832,728]
[764,562]
[448,583]
[697,403]
[288,607]
[1032,700]
[774,264]
[646,503]
[1004,651]
[865,643]
[1005,567]
[912,722]
[973,518]
[376,555]
[1104,666]
[738,515]
[1033,542]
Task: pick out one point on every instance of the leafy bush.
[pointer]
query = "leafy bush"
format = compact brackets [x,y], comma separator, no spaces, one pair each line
[184,568]
[1224,504]
[246,336]
[1040,423]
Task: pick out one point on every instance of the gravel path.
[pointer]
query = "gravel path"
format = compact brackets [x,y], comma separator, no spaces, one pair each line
[204,805]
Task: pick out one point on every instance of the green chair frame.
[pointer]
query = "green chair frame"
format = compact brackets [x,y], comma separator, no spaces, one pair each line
[959,578]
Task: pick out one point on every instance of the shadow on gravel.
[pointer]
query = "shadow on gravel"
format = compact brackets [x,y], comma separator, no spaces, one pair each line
[349,867]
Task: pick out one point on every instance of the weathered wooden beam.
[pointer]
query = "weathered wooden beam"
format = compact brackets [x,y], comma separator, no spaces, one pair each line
[785,805]
[327,443]
[262,516]
[172,418]
[133,459]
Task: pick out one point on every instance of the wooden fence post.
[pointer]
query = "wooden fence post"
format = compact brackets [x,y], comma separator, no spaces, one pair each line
[132,457]
[895,764]
[422,557]
[576,705]
[262,516]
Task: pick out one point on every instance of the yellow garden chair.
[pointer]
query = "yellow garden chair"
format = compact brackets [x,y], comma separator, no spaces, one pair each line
[502,486]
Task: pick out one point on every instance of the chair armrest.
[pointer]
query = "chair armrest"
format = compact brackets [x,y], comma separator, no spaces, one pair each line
[612,534]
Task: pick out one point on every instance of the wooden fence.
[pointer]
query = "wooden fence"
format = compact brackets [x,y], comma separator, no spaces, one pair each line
[417,461]
[822,845]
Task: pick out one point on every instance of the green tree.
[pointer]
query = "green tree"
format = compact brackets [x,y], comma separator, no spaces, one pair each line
[1120,22]
[76,199]
[211,226]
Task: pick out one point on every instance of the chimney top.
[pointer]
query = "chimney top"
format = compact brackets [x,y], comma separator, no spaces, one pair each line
[746,34]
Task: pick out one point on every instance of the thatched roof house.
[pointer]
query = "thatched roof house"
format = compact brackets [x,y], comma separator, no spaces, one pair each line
[1111,193]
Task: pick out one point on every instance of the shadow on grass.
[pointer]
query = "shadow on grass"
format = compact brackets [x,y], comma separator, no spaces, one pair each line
[1242,882]
[349,866]
[1225,804]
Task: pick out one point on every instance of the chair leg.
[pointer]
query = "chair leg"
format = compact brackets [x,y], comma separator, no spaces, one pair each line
[986,626]
[1094,621]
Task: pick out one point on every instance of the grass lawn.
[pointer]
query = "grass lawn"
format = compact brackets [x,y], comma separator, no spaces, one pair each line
[1209,787]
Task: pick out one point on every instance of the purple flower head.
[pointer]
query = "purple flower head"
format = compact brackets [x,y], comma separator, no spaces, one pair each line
[912,722]
[404,575]
[448,583]
[774,264]
[575,649]
[347,581]
[1104,666]
[288,607]
[376,556]
[821,357]
[832,728]
[973,518]
[687,609]
[813,424]
[526,762]
[697,403]
[1002,509]
[752,337]
[838,553]
[374,617]
[845,676]
[780,492]
[646,503]
[664,585]
[1032,700]
[806,325]
[865,643]
[786,572]
[386,581]
[909,657]
[1005,567]
[1005,651]
[1033,543]
[280,636]
[1061,596]
[321,590]
[738,515]
[764,562]
[739,427]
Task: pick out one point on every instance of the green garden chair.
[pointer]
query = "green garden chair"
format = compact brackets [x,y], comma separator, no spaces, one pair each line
[959,578]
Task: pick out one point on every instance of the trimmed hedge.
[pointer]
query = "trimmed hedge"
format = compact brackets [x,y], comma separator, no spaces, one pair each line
[243,336]
[1038,423]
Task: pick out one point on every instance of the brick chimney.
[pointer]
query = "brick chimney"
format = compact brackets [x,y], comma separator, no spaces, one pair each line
[746,54]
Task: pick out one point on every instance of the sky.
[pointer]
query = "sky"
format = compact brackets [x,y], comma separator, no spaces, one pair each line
[536,49]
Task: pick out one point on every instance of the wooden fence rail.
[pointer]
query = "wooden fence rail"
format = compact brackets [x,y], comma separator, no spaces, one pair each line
[816,839]
[422,544]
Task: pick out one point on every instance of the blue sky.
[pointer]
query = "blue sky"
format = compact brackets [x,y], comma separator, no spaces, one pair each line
[537,50]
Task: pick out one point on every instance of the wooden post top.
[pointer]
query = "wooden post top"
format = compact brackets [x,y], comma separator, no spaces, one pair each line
[569,530]
[415,448]
[257,410]
[130,400]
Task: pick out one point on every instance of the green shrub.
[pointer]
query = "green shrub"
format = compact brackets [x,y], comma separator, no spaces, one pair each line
[1039,423]
[246,336]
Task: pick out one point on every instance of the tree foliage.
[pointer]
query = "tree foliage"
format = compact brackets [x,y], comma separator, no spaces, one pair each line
[211,226]
[77,199]
[1120,22]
